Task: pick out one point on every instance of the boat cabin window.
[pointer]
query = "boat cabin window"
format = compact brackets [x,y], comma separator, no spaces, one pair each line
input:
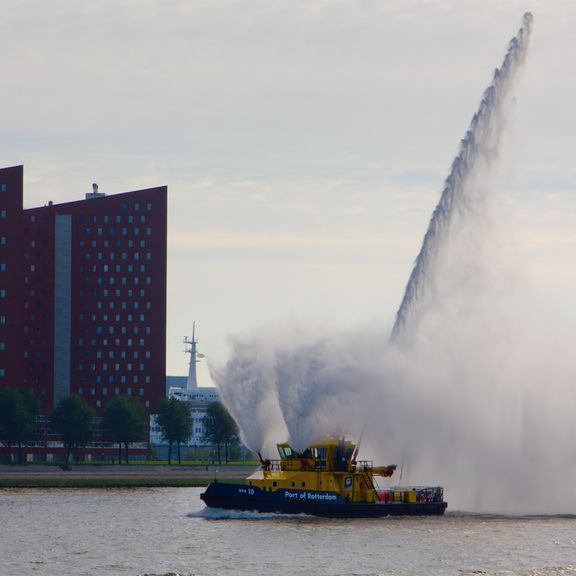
[319,453]
[285,452]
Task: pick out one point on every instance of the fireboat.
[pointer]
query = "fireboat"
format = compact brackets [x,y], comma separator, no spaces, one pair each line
[325,480]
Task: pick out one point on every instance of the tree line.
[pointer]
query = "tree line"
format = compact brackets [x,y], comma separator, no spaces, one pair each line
[124,421]
[176,423]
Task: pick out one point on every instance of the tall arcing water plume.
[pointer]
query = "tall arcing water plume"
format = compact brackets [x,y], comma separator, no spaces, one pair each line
[465,193]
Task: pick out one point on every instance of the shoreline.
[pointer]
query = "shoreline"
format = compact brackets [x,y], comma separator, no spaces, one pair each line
[118,476]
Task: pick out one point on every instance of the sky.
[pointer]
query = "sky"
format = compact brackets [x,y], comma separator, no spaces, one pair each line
[304,143]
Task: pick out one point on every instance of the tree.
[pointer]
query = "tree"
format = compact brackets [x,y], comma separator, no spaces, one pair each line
[220,429]
[72,419]
[17,411]
[127,421]
[175,421]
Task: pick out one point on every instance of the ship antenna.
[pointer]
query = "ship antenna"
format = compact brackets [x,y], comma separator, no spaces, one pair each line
[401,472]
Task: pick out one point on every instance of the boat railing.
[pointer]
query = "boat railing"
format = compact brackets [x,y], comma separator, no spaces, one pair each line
[412,494]
[312,465]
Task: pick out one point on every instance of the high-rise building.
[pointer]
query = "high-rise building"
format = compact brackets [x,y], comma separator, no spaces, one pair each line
[83,295]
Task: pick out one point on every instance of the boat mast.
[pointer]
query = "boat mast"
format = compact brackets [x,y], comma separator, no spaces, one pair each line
[192,349]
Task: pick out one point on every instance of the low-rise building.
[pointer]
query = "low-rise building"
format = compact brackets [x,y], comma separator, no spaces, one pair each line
[198,398]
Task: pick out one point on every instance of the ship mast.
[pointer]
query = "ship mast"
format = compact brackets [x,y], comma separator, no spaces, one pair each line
[192,349]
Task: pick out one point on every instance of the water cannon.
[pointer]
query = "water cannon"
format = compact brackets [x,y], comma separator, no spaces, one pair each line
[264,462]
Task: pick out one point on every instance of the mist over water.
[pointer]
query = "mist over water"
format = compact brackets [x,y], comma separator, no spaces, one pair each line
[474,390]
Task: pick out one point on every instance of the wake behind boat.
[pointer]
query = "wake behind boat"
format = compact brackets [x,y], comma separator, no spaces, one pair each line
[324,480]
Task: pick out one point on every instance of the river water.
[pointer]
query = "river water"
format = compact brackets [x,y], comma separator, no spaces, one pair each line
[155,531]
